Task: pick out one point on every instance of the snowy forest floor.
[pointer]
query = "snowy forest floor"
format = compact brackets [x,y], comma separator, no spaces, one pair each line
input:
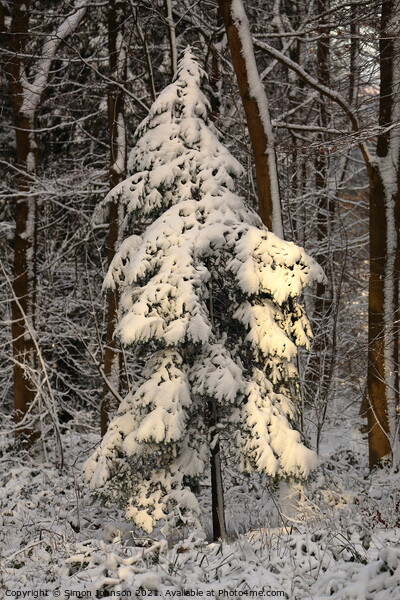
[338,537]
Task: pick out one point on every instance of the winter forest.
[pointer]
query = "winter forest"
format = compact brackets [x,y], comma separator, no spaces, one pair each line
[199,299]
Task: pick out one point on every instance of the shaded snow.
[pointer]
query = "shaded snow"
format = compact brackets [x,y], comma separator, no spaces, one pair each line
[53,537]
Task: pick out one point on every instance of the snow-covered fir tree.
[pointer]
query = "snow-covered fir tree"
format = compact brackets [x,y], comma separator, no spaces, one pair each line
[210,299]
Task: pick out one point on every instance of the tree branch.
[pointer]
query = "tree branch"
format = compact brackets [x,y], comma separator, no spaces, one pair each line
[329,93]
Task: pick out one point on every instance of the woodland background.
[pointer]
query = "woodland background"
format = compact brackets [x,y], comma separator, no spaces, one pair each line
[77,79]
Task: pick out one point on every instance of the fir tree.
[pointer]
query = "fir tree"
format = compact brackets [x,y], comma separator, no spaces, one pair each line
[211,298]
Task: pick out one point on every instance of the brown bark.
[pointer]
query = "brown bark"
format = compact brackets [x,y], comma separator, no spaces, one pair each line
[383,328]
[386,63]
[258,135]
[112,358]
[24,265]
[377,413]
[112,354]
[23,315]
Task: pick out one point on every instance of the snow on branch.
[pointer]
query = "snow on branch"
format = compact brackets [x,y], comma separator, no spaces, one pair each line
[34,90]
[326,91]
[210,301]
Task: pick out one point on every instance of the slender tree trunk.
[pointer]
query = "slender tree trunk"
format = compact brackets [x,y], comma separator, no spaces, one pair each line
[354,69]
[117,136]
[24,265]
[217,490]
[321,360]
[383,311]
[217,487]
[255,105]
[172,37]
[324,209]
[23,314]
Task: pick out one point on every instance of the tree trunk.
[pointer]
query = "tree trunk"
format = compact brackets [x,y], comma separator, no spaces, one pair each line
[321,359]
[383,310]
[217,490]
[117,136]
[26,94]
[217,487]
[24,265]
[378,422]
[255,105]
[171,37]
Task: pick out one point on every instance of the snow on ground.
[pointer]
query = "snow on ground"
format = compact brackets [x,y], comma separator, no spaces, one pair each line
[341,540]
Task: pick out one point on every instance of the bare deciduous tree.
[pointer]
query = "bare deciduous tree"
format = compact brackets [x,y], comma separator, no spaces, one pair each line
[26,91]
